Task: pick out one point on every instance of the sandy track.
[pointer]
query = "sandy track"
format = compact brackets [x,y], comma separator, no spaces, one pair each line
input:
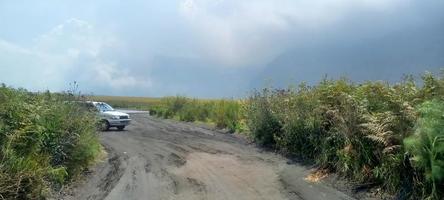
[160,159]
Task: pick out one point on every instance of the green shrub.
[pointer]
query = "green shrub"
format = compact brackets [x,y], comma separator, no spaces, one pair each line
[223,113]
[427,147]
[358,130]
[262,122]
[433,87]
[297,112]
[44,141]
[355,129]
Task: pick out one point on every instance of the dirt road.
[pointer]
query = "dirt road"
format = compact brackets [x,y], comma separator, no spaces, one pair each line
[160,159]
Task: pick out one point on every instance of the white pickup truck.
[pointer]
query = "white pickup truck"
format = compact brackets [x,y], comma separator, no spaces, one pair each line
[108,116]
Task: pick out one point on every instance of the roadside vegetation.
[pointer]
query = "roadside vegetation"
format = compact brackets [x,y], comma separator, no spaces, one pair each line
[372,133]
[45,141]
[139,103]
[224,114]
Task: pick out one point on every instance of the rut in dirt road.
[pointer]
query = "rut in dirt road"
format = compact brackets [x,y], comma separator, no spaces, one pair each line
[161,159]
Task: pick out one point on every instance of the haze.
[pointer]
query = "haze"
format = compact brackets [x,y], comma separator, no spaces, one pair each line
[214,48]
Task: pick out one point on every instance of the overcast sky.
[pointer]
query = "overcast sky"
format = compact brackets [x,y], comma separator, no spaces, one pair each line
[213,48]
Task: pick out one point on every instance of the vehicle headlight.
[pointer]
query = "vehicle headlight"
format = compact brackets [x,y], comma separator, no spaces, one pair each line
[115,117]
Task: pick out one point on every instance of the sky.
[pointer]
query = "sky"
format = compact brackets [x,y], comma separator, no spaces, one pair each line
[213,48]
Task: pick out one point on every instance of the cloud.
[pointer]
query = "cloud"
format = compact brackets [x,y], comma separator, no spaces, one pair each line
[209,48]
[72,51]
[251,32]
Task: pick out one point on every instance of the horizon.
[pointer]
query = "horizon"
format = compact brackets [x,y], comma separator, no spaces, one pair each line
[417,78]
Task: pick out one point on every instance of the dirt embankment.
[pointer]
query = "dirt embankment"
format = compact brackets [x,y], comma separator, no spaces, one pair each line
[160,159]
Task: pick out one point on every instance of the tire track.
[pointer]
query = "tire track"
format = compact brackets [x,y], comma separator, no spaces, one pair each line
[160,159]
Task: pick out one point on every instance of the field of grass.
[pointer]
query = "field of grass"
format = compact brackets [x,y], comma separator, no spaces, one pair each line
[139,103]
[45,142]
[223,113]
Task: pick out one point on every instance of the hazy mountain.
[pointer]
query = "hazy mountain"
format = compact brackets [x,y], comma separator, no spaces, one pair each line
[412,51]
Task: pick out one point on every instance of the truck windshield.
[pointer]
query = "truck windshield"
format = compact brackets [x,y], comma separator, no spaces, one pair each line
[103,107]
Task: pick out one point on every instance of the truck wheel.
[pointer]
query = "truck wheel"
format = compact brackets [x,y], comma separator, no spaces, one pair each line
[104,125]
[120,128]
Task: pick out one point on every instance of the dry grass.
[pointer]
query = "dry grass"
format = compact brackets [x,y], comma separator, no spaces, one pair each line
[142,103]
[317,175]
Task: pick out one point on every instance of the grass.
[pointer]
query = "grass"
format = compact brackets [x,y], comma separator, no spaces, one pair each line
[427,147]
[373,132]
[223,113]
[139,103]
[45,141]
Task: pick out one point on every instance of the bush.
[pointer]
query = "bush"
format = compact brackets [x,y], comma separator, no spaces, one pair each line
[223,113]
[262,122]
[427,147]
[44,140]
[358,130]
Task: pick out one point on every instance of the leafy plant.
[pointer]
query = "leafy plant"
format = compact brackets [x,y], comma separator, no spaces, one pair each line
[223,113]
[356,129]
[427,146]
[44,142]
[262,122]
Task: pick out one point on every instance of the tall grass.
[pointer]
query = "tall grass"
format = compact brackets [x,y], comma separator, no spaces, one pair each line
[44,142]
[222,113]
[427,147]
[139,103]
[359,130]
